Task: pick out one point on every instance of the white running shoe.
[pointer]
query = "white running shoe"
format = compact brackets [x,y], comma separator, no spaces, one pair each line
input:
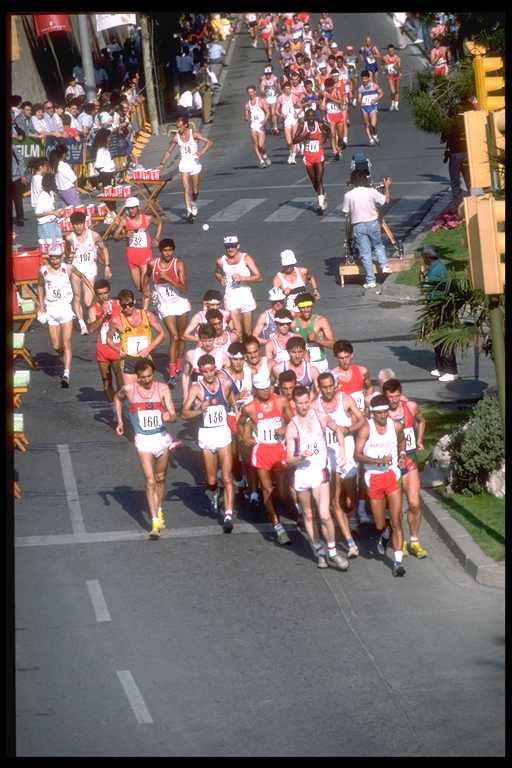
[292,159]
[435,372]
[371,142]
[396,106]
[83,328]
[448,377]
[386,270]
[345,140]
[193,210]
[369,285]
[392,106]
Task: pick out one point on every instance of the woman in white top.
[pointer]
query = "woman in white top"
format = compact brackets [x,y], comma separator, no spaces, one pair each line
[187,139]
[47,227]
[234,270]
[65,177]
[103,162]
[39,167]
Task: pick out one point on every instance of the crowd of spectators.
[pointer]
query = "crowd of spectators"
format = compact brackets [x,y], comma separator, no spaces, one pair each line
[443,28]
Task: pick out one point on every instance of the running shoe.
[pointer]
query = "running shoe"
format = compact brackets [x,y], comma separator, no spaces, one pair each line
[321,561]
[227,525]
[382,546]
[64,382]
[353,551]
[435,372]
[396,106]
[338,562]
[398,569]
[161,518]
[193,210]
[213,499]
[405,551]
[369,285]
[268,161]
[320,210]
[190,217]
[448,377]
[282,537]
[371,142]
[376,139]
[345,140]
[386,270]
[263,164]
[417,550]
[289,161]
[392,106]
[155,530]
[293,160]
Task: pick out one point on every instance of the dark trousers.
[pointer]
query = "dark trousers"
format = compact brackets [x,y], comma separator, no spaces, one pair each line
[445,362]
[17,198]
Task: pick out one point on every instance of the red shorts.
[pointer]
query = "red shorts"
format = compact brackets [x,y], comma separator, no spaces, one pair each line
[382,484]
[441,70]
[269,456]
[233,423]
[335,117]
[313,159]
[105,354]
[394,77]
[138,257]
[266,35]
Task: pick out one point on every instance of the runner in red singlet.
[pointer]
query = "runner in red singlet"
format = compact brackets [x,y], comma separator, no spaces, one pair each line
[392,65]
[99,320]
[313,134]
[334,102]
[134,228]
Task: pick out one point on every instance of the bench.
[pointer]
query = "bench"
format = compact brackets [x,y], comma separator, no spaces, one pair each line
[396,265]
[19,438]
[21,380]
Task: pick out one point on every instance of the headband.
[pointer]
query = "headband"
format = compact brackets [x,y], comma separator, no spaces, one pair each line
[306,303]
[378,408]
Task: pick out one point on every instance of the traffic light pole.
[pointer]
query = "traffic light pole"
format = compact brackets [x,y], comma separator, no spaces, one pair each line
[498,350]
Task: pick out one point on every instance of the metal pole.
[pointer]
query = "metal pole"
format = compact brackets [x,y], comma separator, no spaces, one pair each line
[498,351]
[148,73]
[85,45]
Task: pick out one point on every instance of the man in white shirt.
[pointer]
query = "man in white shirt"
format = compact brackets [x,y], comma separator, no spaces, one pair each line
[40,167]
[85,118]
[38,121]
[74,89]
[53,121]
[362,204]
[72,111]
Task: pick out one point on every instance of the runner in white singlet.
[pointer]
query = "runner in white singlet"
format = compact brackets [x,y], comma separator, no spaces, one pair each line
[234,270]
[256,113]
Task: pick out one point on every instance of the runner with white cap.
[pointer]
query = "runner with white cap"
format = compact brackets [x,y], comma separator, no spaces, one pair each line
[292,279]
[262,425]
[212,299]
[266,323]
[276,347]
[234,270]
[135,229]
[269,90]
[187,139]
[256,113]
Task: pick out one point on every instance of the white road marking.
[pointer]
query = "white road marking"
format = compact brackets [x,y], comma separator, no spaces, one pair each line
[234,190]
[98,600]
[237,209]
[77,520]
[291,210]
[103,537]
[175,217]
[134,696]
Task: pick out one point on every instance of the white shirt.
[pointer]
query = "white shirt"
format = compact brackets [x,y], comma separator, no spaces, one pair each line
[74,90]
[74,122]
[45,202]
[399,19]
[104,161]
[85,121]
[39,125]
[36,187]
[65,177]
[185,100]
[53,122]
[361,203]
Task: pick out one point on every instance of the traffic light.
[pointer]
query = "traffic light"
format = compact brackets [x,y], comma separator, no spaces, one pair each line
[485,223]
[485,85]
[496,128]
[475,128]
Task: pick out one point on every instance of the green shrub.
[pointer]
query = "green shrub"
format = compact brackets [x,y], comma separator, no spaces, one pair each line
[477,449]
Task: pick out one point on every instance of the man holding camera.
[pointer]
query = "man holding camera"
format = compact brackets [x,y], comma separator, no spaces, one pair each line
[362,203]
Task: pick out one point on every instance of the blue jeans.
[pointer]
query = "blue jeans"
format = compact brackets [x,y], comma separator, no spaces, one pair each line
[50,230]
[457,166]
[367,234]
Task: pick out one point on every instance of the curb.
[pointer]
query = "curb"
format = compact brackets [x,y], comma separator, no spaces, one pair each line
[476,563]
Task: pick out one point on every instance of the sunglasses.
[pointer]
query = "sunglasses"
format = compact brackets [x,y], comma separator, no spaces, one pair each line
[127,304]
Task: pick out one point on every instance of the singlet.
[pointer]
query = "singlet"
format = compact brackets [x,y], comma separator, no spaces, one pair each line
[381,445]
[262,368]
[306,379]
[288,106]
[256,113]
[296,286]
[267,421]
[222,343]
[164,290]
[85,252]
[369,95]
[354,386]
[113,308]
[313,441]
[298,90]
[240,268]
[270,326]
[339,416]
[391,63]
[269,87]
[407,421]
[188,148]
[313,140]
[316,352]
[138,236]
[238,385]
[202,317]
[351,62]
[135,337]
[217,354]
[281,354]
[310,101]
[146,413]
[216,415]
[57,287]
[368,55]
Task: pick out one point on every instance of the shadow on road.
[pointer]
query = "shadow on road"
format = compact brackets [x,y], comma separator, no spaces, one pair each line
[132,501]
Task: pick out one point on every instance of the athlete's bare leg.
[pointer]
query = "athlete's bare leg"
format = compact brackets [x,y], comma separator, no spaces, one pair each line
[236,319]
[226,465]
[147,462]
[321,496]
[339,512]
[195,186]
[210,466]
[67,332]
[106,379]
[176,325]
[161,465]
[411,485]
[137,274]
[246,320]
[255,138]
[265,478]
[76,284]
[185,182]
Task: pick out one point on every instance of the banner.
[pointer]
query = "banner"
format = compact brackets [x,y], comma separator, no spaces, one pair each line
[109,20]
[54,22]
[30,147]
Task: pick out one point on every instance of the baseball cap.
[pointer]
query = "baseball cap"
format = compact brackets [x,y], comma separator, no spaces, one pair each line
[288,258]
[231,240]
[349,48]
[131,202]
[430,251]
[261,381]
[333,45]
[276,294]
[55,251]
[322,65]
[268,70]
[283,316]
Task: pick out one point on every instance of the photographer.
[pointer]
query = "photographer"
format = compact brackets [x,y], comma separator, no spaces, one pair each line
[362,204]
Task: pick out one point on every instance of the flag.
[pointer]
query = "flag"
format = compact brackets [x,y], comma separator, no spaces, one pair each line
[108,20]
[54,22]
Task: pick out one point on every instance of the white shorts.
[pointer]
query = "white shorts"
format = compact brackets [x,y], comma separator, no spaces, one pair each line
[290,122]
[59,312]
[310,477]
[155,444]
[257,127]
[173,308]
[90,272]
[189,165]
[349,468]
[241,299]
[271,99]
[320,365]
[213,438]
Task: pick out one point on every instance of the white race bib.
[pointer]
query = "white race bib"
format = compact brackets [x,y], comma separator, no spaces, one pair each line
[266,430]
[313,145]
[138,240]
[215,416]
[358,398]
[370,59]
[368,99]
[136,343]
[331,438]
[150,419]
[410,439]
[333,107]
[315,353]
[391,69]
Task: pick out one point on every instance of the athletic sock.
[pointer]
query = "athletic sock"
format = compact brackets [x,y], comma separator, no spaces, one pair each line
[278,527]
[254,496]
[386,533]
[331,548]
[228,513]
[414,540]
[399,556]
[350,542]
[66,372]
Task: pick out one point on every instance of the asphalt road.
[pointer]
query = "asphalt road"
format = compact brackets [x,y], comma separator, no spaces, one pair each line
[203,644]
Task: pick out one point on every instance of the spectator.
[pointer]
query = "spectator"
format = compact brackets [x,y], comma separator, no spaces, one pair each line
[205,83]
[72,110]
[400,21]
[54,124]
[78,73]
[103,163]
[24,120]
[85,119]
[184,65]
[216,52]
[415,26]
[65,177]
[68,131]
[40,168]
[15,107]
[18,177]
[117,71]
[108,117]
[433,274]
[100,76]
[46,213]
[38,122]
[73,90]
[456,153]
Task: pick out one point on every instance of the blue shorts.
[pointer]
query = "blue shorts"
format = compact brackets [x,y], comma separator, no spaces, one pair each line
[370,109]
[372,67]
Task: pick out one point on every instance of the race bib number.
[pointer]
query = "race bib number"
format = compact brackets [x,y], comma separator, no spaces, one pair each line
[150,419]
[169,292]
[315,353]
[266,430]
[138,240]
[270,92]
[136,344]
[85,258]
[391,69]
[215,416]
[358,398]
[314,448]
[370,59]
[55,294]
[368,99]
[331,438]
[313,145]
[410,439]
[333,107]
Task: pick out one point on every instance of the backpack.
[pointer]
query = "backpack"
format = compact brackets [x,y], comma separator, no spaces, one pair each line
[360,162]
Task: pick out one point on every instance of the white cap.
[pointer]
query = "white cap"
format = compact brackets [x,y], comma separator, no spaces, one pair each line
[333,45]
[268,70]
[131,202]
[261,381]
[276,294]
[55,250]
[322,65]
[231,240]
[288,258]
[349,48]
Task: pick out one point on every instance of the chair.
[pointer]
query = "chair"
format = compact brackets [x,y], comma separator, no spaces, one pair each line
[19,438]
[20,350]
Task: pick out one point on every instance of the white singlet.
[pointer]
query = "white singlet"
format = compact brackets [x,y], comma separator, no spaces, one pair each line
[286,283]
[342,419]
[288,109]
[379,445]
[257,115]
[281,354]
[85,255]
[189,162]
[312,472]
[58,295]
[237,295]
